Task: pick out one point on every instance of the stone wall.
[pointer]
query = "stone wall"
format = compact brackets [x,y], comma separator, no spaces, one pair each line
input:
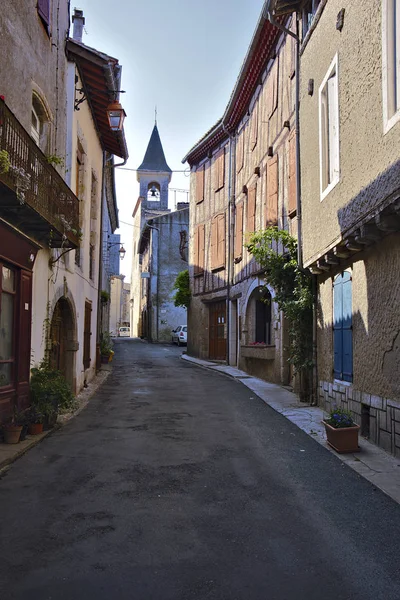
[378,417]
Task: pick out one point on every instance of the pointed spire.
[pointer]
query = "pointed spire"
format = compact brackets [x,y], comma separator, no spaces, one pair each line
[154,159]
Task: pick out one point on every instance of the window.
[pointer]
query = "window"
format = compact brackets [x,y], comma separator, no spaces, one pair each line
[329,130]
[218,242]
[308,13]
[36,126]
[263,319]
[391,62]
[343,327]
[8,281]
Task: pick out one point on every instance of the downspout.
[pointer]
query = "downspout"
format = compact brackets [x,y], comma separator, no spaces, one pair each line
[99,305]
[272,20]
[230,224]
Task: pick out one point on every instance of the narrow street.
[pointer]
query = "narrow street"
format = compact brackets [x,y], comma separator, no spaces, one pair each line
[177,484]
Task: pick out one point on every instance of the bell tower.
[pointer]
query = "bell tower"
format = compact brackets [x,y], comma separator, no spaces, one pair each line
[154,176]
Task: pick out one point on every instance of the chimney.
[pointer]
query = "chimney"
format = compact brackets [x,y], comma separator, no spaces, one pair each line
[78,21]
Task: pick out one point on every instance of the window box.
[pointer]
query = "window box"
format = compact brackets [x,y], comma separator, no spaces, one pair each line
[259,351]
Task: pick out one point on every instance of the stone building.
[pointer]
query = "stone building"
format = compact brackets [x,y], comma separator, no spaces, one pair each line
[52,193]
[243,179]
[163,247]
[159,249]
[349,140]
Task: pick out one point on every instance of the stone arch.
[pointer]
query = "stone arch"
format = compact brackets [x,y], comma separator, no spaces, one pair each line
[42,116]
[258,317]
[257,283]
[63,336]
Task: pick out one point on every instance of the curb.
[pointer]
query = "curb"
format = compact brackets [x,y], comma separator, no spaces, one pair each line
[373,463]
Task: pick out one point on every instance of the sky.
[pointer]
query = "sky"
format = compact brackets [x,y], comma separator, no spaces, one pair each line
[182,57]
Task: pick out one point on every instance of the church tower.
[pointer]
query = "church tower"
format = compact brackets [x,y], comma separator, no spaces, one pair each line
[154,176]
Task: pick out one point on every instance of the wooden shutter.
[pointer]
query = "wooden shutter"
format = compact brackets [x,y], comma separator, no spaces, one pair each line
[198,244]
[221,241]
[218,242]
[200,184]
[86,335]
[240,152]
[196,251]
[292,187]
[272,192]
[251,210]
[43,8]
[214,241]
[254,128]
[219,170]
[272,87]
[342,327]
[201,246]
[239,231]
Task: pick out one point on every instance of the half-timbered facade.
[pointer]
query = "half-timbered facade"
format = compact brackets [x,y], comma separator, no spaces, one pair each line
[242,180]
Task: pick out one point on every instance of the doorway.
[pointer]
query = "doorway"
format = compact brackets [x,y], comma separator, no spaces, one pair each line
[217,328]
[61,356]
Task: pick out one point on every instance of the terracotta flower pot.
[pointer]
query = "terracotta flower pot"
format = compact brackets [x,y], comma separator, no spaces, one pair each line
[35,428]
[342,439]
[12,433]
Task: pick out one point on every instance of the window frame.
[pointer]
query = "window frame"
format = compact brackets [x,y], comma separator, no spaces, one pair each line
[324,191]
[390,120]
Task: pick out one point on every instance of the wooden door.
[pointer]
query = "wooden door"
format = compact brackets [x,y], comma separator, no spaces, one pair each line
[217,328]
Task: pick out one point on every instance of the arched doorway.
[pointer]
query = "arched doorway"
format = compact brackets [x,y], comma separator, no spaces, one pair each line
[62,335]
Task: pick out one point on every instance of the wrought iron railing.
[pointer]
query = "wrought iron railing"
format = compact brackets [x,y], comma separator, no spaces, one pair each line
[33,180]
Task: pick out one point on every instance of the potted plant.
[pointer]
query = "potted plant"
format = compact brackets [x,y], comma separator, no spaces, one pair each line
[342,431]
[50,393]
[106,350]
[36,419]
[13,429]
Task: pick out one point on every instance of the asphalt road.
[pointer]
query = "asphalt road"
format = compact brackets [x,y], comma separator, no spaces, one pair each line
[177,483]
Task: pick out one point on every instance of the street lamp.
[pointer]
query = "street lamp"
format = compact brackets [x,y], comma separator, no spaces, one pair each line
[121,251]
[116,115]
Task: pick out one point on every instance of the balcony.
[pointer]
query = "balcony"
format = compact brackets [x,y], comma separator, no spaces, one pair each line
[33,196]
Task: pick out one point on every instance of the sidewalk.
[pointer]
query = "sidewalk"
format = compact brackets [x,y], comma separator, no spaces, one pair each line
[372,463]
[10,452]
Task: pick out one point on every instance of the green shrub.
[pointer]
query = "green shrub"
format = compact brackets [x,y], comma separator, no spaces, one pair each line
[50,392]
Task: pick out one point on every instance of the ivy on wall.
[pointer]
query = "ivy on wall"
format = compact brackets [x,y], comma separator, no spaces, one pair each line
[276,252]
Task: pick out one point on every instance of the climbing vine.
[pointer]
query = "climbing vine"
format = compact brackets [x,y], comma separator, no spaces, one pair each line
[276,252]
[182,296]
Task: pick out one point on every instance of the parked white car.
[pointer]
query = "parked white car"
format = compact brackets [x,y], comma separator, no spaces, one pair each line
[179,335]
[124,332]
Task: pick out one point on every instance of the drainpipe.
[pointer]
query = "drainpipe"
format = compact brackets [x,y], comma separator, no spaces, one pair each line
[272,20]
[231,205]
[99,304]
